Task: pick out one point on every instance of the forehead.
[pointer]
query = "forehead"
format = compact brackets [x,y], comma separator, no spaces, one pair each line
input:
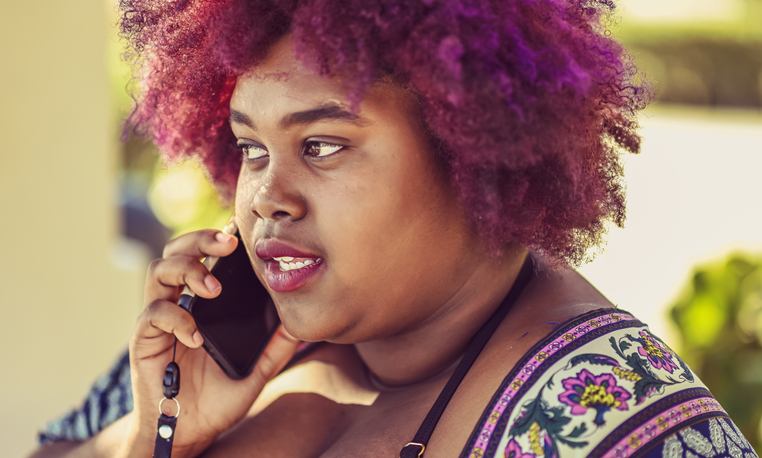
[282,83]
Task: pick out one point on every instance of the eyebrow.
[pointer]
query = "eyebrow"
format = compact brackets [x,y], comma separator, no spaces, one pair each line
[328,111]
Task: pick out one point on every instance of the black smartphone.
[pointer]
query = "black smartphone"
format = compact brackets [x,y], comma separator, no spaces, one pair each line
[238,324]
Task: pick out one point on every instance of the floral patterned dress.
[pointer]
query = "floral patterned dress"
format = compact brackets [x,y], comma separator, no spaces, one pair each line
[602,385]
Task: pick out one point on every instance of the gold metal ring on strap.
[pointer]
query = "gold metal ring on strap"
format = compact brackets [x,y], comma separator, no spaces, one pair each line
[416,444]
[161,412]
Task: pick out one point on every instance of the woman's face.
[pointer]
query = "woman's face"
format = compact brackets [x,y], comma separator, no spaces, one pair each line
[378,240]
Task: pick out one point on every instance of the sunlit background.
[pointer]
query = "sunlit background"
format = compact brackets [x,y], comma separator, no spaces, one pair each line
[82,214]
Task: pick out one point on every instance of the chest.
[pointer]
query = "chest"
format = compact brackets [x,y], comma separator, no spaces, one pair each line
[319,410]
[311,425]
[326,408]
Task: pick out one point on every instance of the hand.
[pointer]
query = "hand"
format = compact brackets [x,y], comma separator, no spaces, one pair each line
[210,401]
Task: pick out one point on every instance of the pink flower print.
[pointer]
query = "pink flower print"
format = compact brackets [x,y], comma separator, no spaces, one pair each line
[658,356]
[513,450]
[586,391]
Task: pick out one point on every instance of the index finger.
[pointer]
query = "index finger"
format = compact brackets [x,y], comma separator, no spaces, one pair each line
[199,244]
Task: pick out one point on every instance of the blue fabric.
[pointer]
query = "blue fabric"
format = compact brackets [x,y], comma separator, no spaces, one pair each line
[109,399]
[715,437]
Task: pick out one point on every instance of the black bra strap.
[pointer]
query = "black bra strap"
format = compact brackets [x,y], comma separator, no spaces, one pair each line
[416,448]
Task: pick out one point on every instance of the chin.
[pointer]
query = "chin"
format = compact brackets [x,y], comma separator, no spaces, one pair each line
[307,323]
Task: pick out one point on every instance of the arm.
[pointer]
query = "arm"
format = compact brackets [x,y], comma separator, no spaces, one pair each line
[55,449]
[117,440]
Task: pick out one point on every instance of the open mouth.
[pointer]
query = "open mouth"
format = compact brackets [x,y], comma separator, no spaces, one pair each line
[286,267]
[289,263]
[290,274]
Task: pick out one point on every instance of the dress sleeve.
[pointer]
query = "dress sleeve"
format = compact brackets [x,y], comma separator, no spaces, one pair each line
[602,385]
[109,399]
[715,437]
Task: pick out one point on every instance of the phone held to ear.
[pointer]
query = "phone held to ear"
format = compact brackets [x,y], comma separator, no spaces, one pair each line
[238,324]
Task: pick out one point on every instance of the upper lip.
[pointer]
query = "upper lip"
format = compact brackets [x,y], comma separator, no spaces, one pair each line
[270,248]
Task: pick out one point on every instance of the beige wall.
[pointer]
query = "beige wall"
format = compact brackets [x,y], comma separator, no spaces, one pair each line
[65,309]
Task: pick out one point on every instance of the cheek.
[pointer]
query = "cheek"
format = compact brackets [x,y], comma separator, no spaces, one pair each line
[352,217]
[243,213]
[375,226]
[241,207]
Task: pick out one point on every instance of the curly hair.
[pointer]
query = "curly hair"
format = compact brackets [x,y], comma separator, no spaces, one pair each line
[528,102]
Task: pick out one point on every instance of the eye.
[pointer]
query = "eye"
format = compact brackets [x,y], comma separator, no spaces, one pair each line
[251,151]
[321,149]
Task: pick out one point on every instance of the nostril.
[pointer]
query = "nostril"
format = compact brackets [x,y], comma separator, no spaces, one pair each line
[280,214]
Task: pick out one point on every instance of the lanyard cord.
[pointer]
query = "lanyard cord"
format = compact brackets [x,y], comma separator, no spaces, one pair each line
[416,447]
[165,433]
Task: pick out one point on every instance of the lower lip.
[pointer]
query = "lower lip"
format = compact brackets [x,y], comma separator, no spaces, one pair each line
[290,280]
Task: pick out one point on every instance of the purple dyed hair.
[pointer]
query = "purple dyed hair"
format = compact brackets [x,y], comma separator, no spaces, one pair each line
[528,102]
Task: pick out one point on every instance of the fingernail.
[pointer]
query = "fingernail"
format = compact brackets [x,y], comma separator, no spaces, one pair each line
[211,283]
[197,338]
[222,237]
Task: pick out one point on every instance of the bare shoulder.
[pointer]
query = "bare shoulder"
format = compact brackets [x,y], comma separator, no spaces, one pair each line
[559,296]
[549,300]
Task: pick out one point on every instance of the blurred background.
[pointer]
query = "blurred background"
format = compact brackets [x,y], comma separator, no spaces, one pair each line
[82,214]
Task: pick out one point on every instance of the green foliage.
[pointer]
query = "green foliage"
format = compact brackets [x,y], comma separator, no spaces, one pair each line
[715,61]
[719,316]
[743,28]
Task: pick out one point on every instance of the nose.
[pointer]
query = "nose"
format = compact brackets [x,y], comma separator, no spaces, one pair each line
[277,196]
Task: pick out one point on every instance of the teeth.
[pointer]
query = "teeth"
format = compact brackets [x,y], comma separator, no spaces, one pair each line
[286,266]
[284,258]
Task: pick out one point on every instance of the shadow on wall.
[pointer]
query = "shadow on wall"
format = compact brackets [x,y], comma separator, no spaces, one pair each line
[719,316]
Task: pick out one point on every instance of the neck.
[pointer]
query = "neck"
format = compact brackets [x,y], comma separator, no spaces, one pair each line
[435,345]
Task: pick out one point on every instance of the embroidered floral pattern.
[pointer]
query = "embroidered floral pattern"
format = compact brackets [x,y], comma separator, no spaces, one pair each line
[657,355]
[650,429]
[513,450]
[544,427]
[712,438]
[639,370]
[580,391]
[587,391]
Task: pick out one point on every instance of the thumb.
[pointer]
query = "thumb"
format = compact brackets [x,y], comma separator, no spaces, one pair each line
[278,353]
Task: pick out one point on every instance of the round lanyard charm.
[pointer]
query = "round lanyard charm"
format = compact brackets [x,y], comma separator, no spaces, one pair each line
[165,433]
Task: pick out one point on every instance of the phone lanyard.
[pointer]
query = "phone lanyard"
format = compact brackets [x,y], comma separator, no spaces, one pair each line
[165,433]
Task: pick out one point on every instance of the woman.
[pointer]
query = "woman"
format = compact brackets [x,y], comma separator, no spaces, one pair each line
[432,165]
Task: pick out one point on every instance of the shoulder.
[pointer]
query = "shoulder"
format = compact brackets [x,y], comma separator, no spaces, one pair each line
[601,384]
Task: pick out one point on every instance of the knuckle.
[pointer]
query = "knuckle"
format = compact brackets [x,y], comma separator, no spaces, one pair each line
[169,248]
[154,308]
[154,265]
[205,240]
[193,268]
[266,366]
[190,263]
